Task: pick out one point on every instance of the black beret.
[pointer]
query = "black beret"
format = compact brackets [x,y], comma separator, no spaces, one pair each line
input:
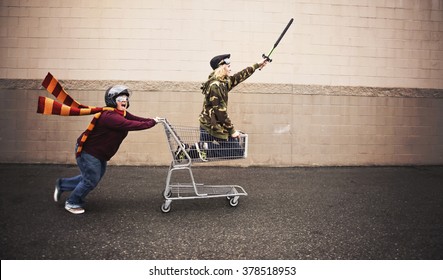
[217,60]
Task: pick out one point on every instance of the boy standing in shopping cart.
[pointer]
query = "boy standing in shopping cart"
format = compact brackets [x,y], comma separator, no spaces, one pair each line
[219,138]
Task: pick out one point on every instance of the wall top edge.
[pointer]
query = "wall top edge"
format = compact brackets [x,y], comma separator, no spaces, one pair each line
[256,88]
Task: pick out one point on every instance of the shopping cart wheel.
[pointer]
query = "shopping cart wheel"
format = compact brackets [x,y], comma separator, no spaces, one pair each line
[233,201]
[166,207]
[167,195]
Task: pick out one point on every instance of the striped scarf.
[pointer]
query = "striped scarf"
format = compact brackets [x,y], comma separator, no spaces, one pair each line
[68,107]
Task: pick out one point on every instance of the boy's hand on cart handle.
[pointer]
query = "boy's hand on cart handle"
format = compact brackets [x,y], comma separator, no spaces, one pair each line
[235,134]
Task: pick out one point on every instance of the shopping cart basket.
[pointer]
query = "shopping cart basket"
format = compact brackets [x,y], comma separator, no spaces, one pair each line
[190,145]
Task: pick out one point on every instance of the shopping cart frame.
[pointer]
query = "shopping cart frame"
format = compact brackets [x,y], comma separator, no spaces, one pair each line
[193,190]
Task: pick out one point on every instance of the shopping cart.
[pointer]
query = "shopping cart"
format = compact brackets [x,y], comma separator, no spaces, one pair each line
[188,145]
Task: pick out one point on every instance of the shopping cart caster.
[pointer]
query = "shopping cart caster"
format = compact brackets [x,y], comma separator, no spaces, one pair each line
[167,195]
[166,206]
[233,201]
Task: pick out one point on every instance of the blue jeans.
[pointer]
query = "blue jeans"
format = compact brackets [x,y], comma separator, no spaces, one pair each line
[222,149]
[91,172]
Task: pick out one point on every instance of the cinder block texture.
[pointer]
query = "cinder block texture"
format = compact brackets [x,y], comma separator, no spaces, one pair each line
[351,83]
[287,125]
[341,43]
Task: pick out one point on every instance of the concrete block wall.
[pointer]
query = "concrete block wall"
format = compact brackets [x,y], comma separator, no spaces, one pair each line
[352,82]
[332,130]
[332,42]
[285,127]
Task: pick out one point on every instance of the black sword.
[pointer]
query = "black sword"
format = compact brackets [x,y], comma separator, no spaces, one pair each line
[267,57]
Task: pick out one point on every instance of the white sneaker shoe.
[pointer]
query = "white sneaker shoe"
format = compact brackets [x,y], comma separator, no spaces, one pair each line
[57,191]
[74,210]
[202,148]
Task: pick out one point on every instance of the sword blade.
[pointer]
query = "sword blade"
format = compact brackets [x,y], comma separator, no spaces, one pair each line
[283,33]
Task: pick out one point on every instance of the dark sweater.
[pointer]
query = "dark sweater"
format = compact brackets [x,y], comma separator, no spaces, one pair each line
[110,131]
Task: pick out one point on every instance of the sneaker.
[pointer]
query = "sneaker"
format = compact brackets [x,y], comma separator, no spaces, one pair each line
[202,147]
[74,209]
[57,191]
[179,154]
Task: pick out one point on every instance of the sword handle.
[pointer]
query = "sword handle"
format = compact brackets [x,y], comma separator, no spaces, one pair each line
[266,57]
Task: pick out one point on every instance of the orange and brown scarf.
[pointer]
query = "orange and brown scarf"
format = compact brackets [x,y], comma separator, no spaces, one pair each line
[67,107]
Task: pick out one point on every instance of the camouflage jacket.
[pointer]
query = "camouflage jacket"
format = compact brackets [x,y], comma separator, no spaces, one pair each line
[214,117]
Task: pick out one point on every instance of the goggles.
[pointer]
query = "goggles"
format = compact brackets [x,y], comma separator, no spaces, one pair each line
[225,61]
[121,98]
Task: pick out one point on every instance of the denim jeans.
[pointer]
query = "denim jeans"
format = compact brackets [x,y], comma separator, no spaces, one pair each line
[223,149]
[91,172]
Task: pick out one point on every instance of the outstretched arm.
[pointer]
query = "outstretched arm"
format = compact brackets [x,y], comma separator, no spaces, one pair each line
[239,77]
[130,123]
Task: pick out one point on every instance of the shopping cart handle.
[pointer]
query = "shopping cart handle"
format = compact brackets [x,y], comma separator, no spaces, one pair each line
[160,119]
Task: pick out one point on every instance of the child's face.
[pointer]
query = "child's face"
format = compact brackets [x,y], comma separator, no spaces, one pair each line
[122,102]
[227,69]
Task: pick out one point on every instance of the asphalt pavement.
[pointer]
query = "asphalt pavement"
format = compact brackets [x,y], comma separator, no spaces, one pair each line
[321,213]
